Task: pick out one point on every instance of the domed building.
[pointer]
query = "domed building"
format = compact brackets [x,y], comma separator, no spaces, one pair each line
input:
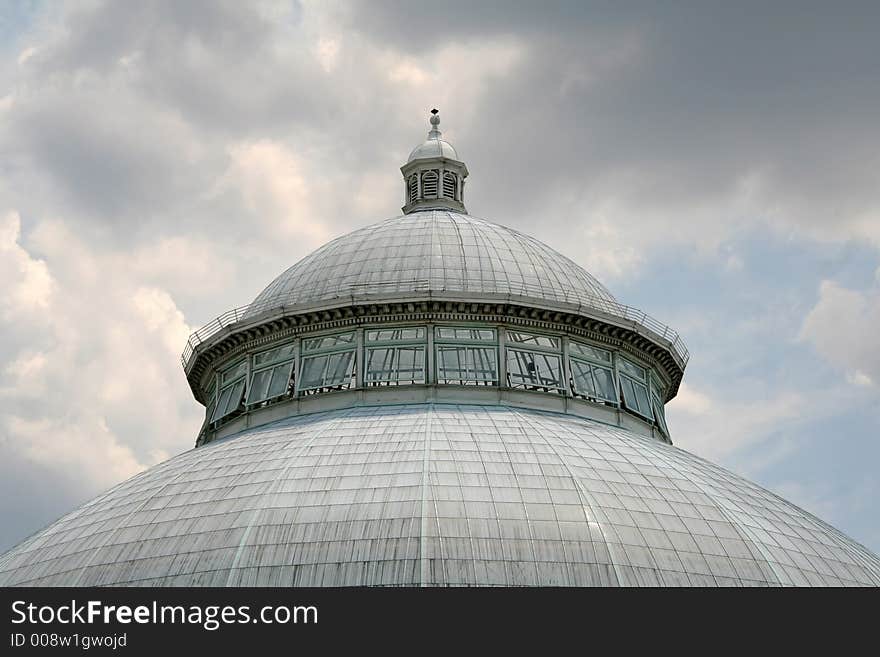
[436,400]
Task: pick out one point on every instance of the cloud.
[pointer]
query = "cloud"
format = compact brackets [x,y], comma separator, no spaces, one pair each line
[27,285]
[718,427]
[843,328]
[90,380]
[269,179]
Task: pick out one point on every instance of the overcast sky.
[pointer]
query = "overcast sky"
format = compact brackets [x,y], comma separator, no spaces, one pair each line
[717,166]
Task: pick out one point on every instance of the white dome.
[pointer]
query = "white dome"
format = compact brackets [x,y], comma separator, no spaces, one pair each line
[438,495]
[434,254]
[433,148]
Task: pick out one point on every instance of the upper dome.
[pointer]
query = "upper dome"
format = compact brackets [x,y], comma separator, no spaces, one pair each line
[435,254]
[433,148]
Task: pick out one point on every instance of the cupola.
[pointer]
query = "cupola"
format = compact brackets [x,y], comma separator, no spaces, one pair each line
[433,175]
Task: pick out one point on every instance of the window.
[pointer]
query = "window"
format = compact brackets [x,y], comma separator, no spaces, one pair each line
[533,371]
[231,391]
[328,363]
[233,372]
[273,371]
[534,362]
[444,333]
[657,403]
[466,356]
[429,184]
[589,352]
[534,340]
[633,388]
[211,399]
[284,352]
[449,185]
[395,356]
[413,183]
[591,374]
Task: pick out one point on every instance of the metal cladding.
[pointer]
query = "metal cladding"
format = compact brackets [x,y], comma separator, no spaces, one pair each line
[437,495]
[434,253]
[436,400]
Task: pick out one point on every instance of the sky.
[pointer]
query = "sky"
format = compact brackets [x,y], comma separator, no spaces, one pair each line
[714,164]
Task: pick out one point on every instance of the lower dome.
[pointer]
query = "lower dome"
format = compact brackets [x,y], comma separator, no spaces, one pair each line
[438,495]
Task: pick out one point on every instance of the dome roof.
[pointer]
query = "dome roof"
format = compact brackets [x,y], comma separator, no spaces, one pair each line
[433,148]
[438,495]
[435,254]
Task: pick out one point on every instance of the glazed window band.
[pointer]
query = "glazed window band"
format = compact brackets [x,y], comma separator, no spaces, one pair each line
[462,355]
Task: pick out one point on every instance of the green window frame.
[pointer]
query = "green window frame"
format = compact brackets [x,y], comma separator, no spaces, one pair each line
[229,400]
[466,355]
[273,373]
[395,356]
[634,388]
[211,399]
[592,373]
[659,407]
[328,363]
[534,361]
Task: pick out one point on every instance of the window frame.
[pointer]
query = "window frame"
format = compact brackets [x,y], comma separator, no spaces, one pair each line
[237,377]
[471,346]
[536,351]
[307,353]
[593,362]
[286,360]
[658,405]
[628,379]
[396,344]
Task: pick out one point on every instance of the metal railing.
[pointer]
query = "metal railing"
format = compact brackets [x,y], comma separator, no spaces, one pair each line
[363,291]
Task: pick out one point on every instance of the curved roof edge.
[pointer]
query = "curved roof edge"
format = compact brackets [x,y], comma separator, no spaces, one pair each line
[254,314]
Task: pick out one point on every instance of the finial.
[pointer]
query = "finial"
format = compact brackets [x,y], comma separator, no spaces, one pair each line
[435,121]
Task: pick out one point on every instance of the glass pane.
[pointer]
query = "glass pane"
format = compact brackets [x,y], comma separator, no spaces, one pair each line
[396,334]
[587,351]
[237,392]
[280,380]
[642,399]
[447,333]
[635,396]
[380,364]
[604,383]
[533,339]
[328,341]
[450,365]
[582,377]
[313,372]
[629,394]
[221,404]
[396,365]
[234,372]
[259,386]
[660,415]
[340,369]
[283,352]
[632,369]
[533,370]
[466,364]
[657,388]
[482,364]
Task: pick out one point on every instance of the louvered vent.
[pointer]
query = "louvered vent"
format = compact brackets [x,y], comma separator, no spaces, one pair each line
[429,184]
[449,185]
